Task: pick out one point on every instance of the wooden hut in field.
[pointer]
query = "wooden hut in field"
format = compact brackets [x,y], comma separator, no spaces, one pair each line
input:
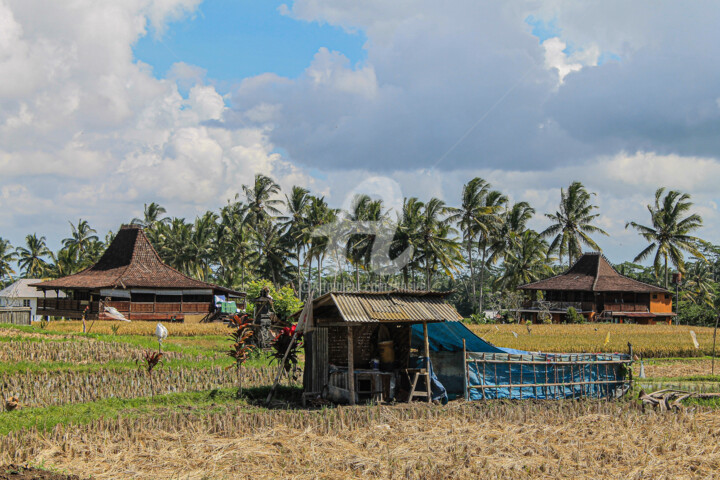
[358,344]
[130,278]
[597,291]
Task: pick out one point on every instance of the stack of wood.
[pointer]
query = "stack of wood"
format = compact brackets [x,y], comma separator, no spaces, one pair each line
[670,399]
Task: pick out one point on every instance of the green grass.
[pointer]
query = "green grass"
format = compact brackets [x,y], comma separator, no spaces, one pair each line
[82,413]
[199,403]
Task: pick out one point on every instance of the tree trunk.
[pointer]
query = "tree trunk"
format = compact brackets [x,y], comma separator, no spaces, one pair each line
[427,274]
[299,272]
[666,272]
[481,302]
[309,259]
[357,277]
[472,274]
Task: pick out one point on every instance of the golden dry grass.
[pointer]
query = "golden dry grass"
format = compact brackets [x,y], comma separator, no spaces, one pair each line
[141,328]
[647,340]
[586,440]
[680,368]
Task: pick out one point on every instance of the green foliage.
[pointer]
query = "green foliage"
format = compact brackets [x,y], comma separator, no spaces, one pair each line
[696,314]
[284,300]
[573,316]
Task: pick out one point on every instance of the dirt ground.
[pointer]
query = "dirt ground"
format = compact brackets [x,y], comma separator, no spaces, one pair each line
[20,472]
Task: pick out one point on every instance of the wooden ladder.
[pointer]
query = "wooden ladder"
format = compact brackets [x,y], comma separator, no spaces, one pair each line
[415,374]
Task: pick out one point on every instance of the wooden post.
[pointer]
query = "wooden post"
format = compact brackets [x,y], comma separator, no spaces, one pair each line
[351,366]
[465,373]
[427,362]
[714,337]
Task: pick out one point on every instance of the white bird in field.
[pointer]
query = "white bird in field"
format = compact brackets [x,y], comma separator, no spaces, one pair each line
[161,333]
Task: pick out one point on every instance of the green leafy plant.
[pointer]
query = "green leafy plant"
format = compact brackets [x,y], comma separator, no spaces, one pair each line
[241,350]
[43,324]
[285,302]
[114,329]
[573,316]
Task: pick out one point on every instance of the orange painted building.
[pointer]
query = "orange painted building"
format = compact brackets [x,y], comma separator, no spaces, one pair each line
[597,291]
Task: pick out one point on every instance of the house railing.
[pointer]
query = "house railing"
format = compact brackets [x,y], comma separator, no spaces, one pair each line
[68,305]
[558,306]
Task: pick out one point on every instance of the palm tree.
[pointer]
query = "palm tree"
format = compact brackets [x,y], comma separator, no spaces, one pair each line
[151,215]
[365,211]
[469,218]
[436,245]
[65,263]
[512,223]
[495,200]
[669,233]
[407,236]
[698,285]
[260,203]
[81,237]
[32,256]
[526,261]
[8,255]
[273,251]
[572,223]
[296,229]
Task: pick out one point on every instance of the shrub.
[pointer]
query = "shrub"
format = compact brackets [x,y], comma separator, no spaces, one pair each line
[573,316]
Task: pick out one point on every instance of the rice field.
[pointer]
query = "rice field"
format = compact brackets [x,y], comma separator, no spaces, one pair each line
[139,328]
[62,422]
[585,440]
[647,340]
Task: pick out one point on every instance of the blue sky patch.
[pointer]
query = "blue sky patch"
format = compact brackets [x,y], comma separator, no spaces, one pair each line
[543,29]
[235,39]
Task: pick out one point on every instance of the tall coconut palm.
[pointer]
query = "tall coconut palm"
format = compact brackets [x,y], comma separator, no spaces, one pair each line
[296,228]
[494,221]
[32,256]
[152,214]
[669,233]
[407,236]
[526,261]
[698,286]
[365,211]
[65,262]
[572,223]
[260,202]
[469,217]
[7,258]
[81,237]
[512,223]
[437,245]
[318,216]
[272,251]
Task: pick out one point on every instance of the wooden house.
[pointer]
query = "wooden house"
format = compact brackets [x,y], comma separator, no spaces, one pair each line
[20,294]
[359,343]
[597,291]
[131,278]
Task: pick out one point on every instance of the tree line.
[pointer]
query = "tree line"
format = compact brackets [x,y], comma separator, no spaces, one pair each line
[482,246]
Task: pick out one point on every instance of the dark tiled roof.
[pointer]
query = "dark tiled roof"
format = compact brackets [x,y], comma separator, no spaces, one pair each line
[593,273]
[130,261]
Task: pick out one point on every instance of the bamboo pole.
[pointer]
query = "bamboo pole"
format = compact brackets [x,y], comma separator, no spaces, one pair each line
[465,373]
[714,338]
[351,365]
[427,362]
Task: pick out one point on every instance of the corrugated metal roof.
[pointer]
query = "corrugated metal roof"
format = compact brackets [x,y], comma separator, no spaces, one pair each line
[404,306]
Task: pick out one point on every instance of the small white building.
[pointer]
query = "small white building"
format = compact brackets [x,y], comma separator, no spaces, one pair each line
[21,294]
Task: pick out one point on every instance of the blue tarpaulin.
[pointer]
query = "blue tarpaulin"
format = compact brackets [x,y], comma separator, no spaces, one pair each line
[448,337]
[559,375]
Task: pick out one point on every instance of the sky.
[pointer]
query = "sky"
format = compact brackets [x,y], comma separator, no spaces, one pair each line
[107,105]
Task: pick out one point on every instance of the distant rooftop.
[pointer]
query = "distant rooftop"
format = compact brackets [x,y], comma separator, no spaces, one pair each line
[592,272]
[22,289]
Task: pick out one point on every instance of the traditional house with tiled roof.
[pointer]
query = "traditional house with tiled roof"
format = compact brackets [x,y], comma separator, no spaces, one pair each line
[131,278]
[597,291]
